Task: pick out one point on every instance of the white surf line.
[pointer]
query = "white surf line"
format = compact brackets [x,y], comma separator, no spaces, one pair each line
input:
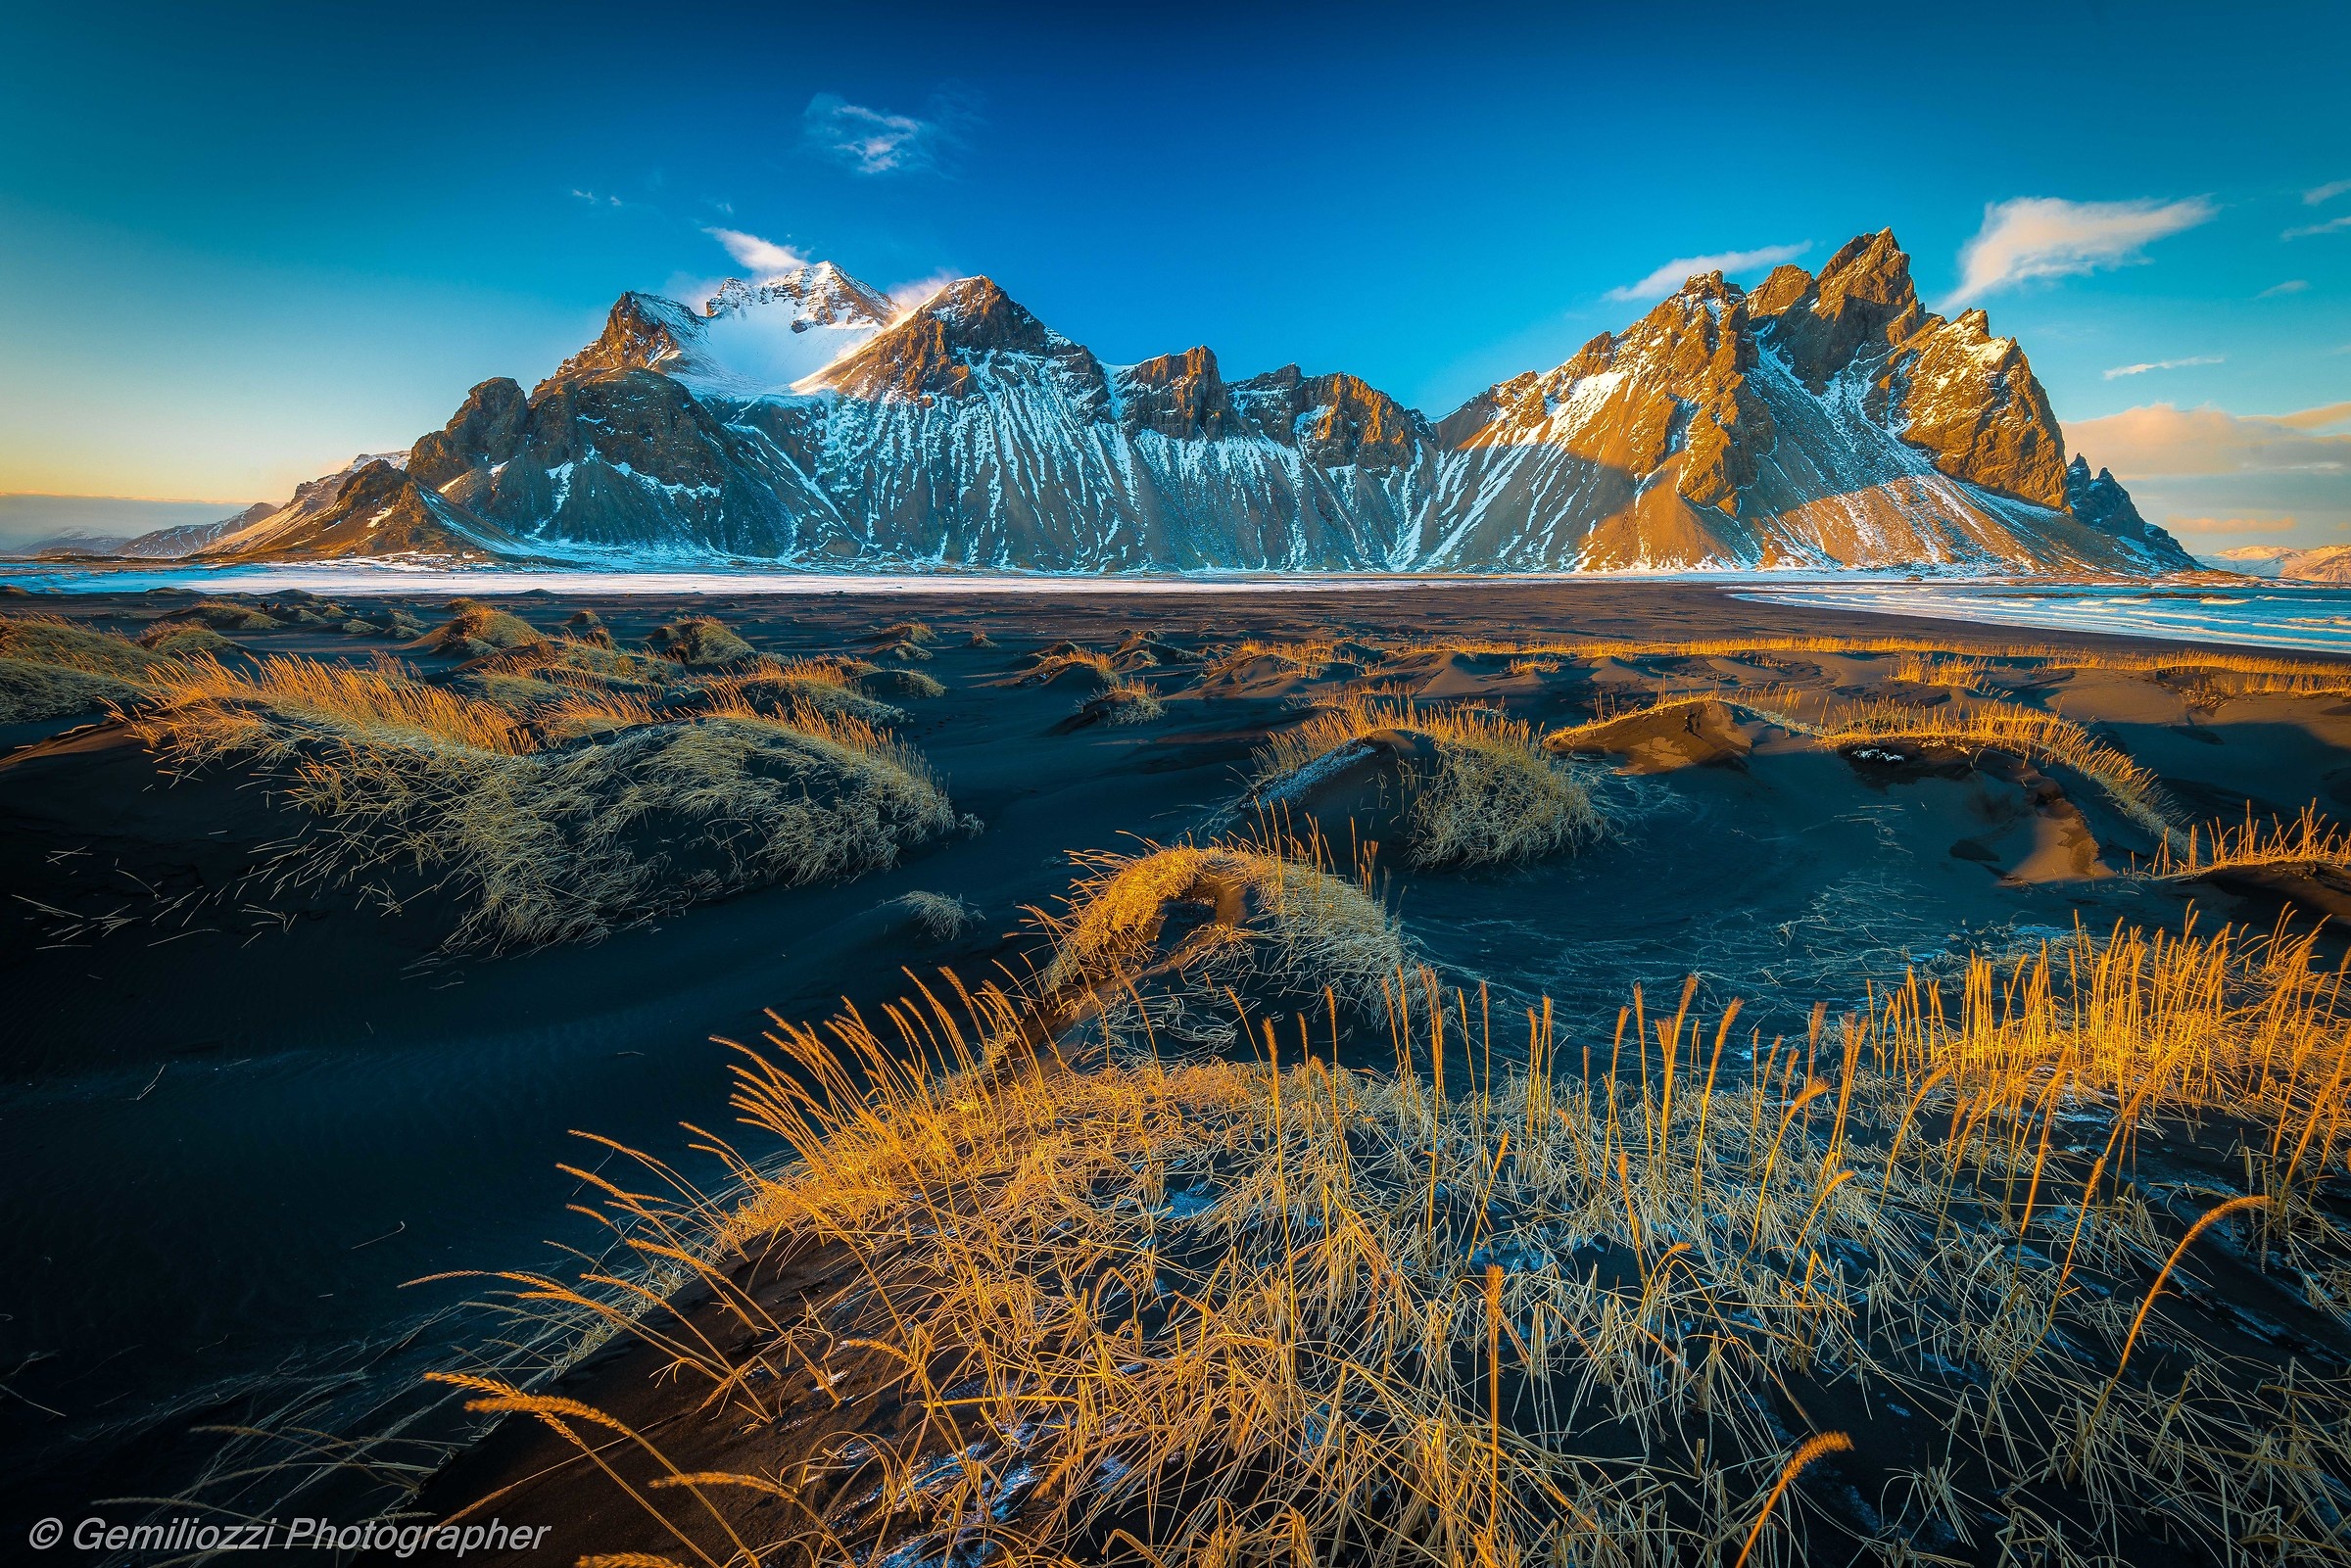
[2311,620]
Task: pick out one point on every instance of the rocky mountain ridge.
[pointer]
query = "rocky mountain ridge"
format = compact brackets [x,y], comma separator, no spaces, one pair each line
[1821,420]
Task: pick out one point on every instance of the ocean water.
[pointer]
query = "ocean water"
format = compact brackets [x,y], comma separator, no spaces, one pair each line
[2312,616]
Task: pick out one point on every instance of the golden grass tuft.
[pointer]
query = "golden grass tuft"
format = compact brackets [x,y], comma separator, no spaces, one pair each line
[2307,843]
[1112,698]
[1128,702]
[64,645]
[1960,726]
[1491,796]
[2028,732]
[227,615]
[1200,921]
[31,690]
[562,825]
[939,916]
[1085,664]
[700,641]
[53,669]
[181,640]
[834,687]
[1919,669]
[475,629]
[1307,656]
[206,709]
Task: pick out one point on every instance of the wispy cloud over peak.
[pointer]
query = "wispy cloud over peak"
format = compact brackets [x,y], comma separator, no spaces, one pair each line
[2047,237]
[764,256]
[2141,369]
[914,295]
[1664,279]
[2325,193]
[2289,286]
[878,141]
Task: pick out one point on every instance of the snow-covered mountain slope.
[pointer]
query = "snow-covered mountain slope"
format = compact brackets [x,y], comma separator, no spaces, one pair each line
[1817,422]
[1820,421]
[750,338]
[186,539]
[285,529]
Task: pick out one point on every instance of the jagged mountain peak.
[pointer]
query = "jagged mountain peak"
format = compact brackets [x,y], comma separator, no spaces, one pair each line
[978,315]
[751,339]
[1708,289]
[1815,416]
[1872,267]
[819,293]
[941,348]
[1860,307]
[1181,396]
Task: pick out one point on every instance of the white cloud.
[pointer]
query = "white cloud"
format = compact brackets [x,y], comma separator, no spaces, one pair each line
[2289,286]
[912,296]
[593,200]
[2046,237]
[2332,225]
[1671,276]
[872,141]
[2163,441]
[2325,193]
[2213,473]
[764,256]
[2121,370]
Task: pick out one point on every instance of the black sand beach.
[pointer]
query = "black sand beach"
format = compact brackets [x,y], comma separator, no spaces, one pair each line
[243,1113]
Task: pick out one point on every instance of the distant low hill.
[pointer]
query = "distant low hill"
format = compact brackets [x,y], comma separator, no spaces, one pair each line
[2325,563]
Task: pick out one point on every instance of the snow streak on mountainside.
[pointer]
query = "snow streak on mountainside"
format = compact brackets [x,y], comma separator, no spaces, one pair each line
[1818,421]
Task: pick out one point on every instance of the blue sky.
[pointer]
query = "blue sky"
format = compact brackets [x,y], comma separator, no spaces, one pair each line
[242,246]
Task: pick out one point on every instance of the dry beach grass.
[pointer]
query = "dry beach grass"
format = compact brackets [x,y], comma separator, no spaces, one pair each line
[1218,1229]
[1277,1311]
[559,824]
[1487,796]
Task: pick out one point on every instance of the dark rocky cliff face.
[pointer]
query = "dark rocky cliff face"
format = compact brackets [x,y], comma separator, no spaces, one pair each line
[1179,396]
[1819,420]
[1948,387]
[485,433]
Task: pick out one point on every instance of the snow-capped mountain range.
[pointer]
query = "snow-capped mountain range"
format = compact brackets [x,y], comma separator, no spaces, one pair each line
[2324,563]
[805,420]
